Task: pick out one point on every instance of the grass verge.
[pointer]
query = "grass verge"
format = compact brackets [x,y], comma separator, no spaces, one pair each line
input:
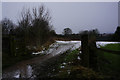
[71,68]
[109,63]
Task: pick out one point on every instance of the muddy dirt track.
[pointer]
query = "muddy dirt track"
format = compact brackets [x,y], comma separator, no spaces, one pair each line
[25,69]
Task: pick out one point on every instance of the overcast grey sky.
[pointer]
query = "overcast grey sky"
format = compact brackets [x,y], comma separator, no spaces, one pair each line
[76,15]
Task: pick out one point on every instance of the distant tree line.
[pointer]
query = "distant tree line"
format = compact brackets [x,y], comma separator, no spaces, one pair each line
[67,33]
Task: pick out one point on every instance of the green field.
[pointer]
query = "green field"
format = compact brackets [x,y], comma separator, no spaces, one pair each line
[109,63]
[115,47]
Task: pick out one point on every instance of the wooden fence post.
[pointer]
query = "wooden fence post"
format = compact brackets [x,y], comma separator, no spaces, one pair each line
[12,46]
[93,53]
[85,50]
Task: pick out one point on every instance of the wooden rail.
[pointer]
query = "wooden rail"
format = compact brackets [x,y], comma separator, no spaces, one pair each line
[110,51]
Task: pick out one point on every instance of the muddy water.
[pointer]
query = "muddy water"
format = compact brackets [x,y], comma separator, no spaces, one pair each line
[24,69]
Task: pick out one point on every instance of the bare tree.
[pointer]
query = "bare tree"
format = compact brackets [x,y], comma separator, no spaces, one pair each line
[67,31]
[7,25]
[41,24]
[36,24]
